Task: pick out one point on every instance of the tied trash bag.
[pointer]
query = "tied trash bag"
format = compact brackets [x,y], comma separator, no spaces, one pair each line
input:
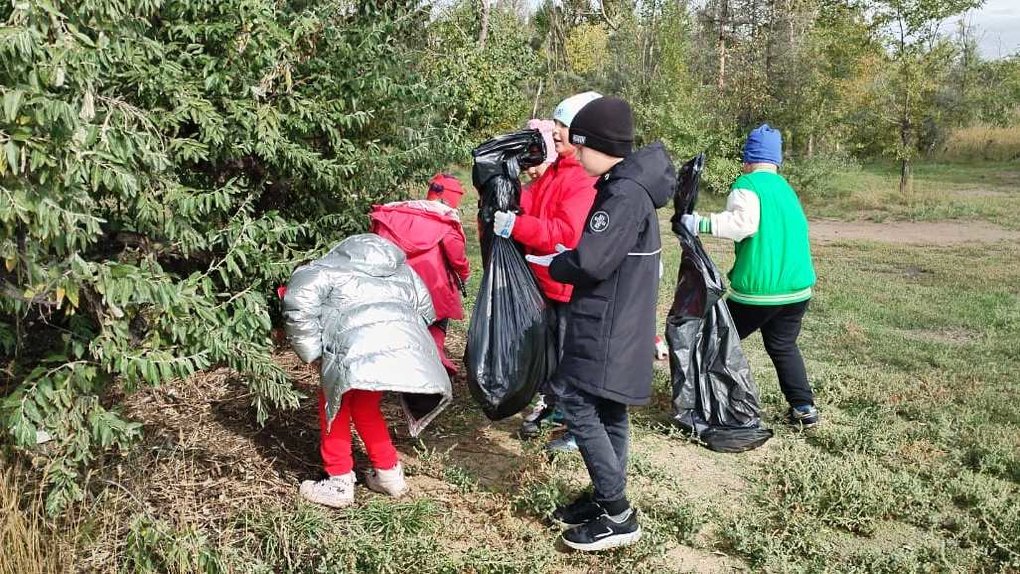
[714,395]
[508,338]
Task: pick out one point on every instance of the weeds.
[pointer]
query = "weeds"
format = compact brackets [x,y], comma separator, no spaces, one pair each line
[850,492]
[994,509]
[429,461]
[157,546]
[677,520]
[460,477]
[776,540]
[992,449]
[285,536]
[640,465]
[393,521]
[27,542]
[538,493]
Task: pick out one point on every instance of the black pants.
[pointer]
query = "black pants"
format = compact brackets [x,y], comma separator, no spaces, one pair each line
[601,429]
[780,327]
[559,312]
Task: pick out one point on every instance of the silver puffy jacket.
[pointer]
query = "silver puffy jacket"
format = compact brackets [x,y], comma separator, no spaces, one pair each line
[365,312]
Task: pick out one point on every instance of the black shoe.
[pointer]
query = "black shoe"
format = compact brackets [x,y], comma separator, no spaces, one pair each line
[604,533]
[583,509]
[533,421]
[804,416]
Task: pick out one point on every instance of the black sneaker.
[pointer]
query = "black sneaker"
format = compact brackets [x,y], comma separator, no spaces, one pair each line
[604,533]
[532,425]
[804,416]
[583,509]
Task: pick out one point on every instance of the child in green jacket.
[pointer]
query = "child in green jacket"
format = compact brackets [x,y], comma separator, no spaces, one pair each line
[772,276]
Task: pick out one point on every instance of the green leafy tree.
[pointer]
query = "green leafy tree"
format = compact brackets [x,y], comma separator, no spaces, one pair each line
[669,103]
[484,87]
[920,58]
[165,163]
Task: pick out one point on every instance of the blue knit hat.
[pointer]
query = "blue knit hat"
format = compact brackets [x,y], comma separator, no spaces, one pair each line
[764,145]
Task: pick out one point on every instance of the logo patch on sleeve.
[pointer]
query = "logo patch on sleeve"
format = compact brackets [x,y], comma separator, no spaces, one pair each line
[599,221]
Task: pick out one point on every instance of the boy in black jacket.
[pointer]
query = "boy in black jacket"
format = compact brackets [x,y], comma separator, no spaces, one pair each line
[606,363]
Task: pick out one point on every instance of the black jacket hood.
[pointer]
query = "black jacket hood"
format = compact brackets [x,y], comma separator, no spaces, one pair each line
[652,169]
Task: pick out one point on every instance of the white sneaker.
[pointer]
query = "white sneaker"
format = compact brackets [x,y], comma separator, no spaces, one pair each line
[389,482]
[335,491]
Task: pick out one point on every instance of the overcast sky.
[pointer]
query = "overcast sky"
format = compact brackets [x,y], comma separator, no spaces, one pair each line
[997,25]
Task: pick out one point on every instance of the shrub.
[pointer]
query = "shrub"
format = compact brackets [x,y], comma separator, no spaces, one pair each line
[483,87]
[165,162]
[815,177]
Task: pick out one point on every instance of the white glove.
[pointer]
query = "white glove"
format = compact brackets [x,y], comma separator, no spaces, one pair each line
[691,222]
[503,223]
[546,260]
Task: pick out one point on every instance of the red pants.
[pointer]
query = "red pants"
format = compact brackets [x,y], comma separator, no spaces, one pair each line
[438,332]
[361,407]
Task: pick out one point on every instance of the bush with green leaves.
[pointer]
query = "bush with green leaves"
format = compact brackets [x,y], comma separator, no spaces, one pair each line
[813,176]
[164,164]
[481,85]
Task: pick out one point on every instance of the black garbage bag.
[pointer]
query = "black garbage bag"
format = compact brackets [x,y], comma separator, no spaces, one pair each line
[714,395]
[509,338]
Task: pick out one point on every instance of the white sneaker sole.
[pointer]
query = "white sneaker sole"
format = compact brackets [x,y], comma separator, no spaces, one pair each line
[606,543]
[386,491]
[378,487]
[325,500]
[328,501]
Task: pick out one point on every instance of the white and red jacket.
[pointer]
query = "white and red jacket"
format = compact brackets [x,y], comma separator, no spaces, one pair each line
[431,236]
[554,210]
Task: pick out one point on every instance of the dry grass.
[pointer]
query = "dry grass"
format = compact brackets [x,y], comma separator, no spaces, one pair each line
[212,459]
[26,542]
[983,143]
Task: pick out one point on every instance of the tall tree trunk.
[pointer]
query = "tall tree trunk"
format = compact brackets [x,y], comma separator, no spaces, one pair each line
[724,6]
[483,35]
[538,96]
[770,41]
[904,175]
[811,146]
[905,142]
[906,149]
[791,28]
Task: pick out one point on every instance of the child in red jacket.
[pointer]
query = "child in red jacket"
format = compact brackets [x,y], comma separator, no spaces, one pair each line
[553,211]
[430,234]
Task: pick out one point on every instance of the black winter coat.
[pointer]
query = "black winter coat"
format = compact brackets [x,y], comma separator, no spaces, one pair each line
[615,273]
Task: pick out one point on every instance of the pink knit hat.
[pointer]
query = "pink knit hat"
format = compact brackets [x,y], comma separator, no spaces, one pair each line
[546,127]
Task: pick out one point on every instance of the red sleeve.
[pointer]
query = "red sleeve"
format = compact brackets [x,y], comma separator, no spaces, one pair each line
[453,246]
[566,222]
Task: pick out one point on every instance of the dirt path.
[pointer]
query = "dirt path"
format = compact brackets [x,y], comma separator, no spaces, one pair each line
[910,232]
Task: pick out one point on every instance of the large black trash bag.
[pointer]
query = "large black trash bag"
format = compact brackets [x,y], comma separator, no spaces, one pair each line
[714,395]
[509,335]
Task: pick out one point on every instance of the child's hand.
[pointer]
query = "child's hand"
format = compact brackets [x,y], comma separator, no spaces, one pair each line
[541,260]
[503,223]
[546,260]
[690,222]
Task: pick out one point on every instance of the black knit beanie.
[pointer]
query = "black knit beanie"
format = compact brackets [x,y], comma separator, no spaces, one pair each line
[604,124]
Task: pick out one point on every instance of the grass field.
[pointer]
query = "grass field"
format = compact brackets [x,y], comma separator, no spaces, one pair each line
[914,352]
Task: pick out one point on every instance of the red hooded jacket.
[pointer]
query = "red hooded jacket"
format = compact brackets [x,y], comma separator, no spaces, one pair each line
[431,236]
[555,208]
